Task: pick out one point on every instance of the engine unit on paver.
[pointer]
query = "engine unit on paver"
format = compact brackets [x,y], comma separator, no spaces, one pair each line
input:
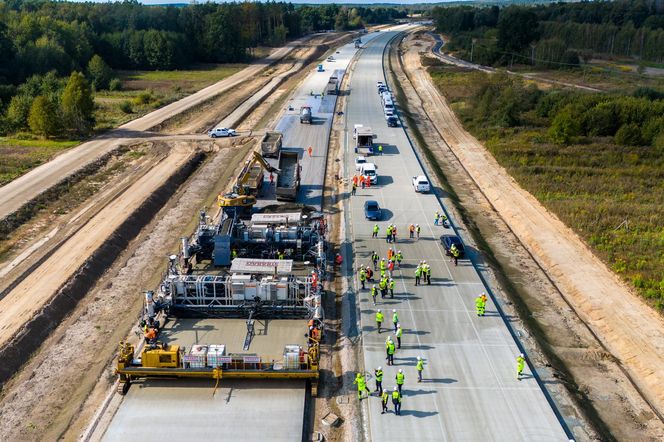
[271,235]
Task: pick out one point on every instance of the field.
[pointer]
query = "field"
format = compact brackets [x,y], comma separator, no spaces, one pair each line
[18,155]
[144,91]
[611,195]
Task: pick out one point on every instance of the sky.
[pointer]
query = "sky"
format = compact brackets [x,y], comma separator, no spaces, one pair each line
[338,2]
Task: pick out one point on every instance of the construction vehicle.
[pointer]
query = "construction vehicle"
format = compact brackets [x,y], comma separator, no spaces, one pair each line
[288,181]
[247,185]
[305,115]
[358,43]
[271,144]
[363,139]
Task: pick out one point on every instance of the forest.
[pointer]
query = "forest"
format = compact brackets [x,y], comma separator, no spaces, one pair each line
[54,52]
[557,34]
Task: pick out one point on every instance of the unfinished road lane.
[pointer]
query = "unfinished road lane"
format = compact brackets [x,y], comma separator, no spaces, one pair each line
[470,390]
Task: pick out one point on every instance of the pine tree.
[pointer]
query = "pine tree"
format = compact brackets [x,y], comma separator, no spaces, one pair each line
[77,103]
[43,117]
[99,72]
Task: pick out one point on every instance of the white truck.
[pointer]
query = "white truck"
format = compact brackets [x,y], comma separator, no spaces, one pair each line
[421,184]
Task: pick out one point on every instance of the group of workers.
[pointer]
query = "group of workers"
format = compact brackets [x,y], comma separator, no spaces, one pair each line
[423,273]
[362,181]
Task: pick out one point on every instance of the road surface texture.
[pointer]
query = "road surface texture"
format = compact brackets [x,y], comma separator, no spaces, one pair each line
[26,187]
[470,390]
[238,411]
[238,418]
[628,328]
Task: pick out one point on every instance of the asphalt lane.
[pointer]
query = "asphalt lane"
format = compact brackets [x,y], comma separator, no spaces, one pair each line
[470,390]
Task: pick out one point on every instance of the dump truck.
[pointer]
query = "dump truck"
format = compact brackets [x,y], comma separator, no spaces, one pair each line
[271,144]
[363,139]
[305,115]
[332,87]
[288,181]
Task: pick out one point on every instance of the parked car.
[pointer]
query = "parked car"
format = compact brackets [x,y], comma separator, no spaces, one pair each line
[448,240]
[372,210]
[392,121]
[221,132]
[330,58]
[421,184]
[379,84]
[370,170]
[359,162]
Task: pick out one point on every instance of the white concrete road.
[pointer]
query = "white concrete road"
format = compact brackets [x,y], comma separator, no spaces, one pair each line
[470,391]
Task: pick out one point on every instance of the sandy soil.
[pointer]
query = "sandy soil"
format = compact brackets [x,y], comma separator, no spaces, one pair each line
[552,261]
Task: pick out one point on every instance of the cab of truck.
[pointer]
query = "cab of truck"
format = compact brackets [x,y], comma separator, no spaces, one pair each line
[370,170]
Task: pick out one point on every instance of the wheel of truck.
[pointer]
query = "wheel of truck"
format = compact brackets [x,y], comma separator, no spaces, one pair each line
[123,387]
[213,136]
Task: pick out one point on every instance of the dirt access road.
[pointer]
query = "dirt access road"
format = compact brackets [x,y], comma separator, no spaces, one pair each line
[23,189]
[630,330]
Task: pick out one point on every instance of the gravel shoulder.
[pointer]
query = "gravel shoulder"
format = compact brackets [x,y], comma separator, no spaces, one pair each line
[566,297]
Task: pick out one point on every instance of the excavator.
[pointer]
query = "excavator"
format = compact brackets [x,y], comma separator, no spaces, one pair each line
[247,185]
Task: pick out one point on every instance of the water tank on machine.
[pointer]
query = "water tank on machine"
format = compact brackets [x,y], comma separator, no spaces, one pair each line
[238,286]
[282,289]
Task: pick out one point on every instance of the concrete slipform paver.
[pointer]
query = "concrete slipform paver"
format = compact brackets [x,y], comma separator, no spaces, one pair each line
[470,390]
[241,410]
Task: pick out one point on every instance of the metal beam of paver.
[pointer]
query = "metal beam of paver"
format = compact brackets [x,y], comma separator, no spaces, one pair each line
[167,410]
[470,391]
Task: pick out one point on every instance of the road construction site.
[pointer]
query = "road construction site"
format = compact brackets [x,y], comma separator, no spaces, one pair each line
[231,297]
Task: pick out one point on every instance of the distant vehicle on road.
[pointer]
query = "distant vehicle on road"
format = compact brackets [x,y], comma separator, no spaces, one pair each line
[305,115]
[369,170]
[448,240]
[372,210]
[421,184]
[221,132]
[392,121]
[330,58]
[359,162]
[379,84]
[320,68]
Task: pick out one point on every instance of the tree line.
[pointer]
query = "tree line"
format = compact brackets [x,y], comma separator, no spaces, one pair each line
[43,43]
[555,35]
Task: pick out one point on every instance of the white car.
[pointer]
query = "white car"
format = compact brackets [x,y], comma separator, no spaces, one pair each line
[359,162]
[222,132]
[370,170]
[379,84]
[421,184]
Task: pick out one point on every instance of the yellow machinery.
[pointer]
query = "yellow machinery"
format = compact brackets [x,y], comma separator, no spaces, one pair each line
[162,360]
[248,181]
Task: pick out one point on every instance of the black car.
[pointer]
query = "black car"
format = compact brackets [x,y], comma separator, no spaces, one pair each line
[372,210]
[392,121]
[449,240]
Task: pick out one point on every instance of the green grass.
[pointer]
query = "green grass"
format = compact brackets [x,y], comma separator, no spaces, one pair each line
[612,196]
[19,155]
[163,87]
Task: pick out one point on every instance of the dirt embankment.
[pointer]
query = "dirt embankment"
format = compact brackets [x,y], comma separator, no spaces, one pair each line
[564,295]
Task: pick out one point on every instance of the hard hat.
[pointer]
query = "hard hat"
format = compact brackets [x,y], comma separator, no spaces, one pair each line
[379,368]
[374,286]
[522,355]
[383,259]
[425,261]
[418,358]
[394,311]
[399,251]
[417,225]
[378,309]
[400,371]
[398,325]
[395,388]
[313,271]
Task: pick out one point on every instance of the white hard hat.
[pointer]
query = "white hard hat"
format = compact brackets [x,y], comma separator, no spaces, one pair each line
[418,358]
[374,286]
[400,371]
[395,388]
[378,309]
[399,251]
[379,368]
[398,325]
[394,310]
[417,225]
[522,355]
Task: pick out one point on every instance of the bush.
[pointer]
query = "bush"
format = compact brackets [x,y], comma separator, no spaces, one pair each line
[99,73]
[126,107]
[649,93]
[629,135]
[115,85]
[144,98]
[602,120]
[570,59]
[565,126]
[43,118]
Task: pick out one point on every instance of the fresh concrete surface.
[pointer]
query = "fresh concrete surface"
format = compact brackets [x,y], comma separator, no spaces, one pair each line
[164,410]
[270,335]
[470,391]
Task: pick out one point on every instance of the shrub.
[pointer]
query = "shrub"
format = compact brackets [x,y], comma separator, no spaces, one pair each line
[126,107]
[115,85]
[565,126]
[143,98]
[629,135]
[43,118]
[99,72]
[570,59]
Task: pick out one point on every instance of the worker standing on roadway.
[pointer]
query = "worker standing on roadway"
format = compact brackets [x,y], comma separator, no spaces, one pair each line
[418,273]
[389,347]
[374,292]
[411,231]
[399,334]
[390,267]
[385,396]
[418,229]
[428,268]
[383,265]
[354,189]
[361,385]
[382,285]
[388,237]
[391,286]
[395,320]
[380,149]
[520,365]
[420,367]
[436,217]
[396,400]
[374,259]
[369,274]
[399,258]
[375,231]
[455,254]
[394,233]
[310,150]
[400,379]
[390,252]
[378,373]
[480,306]
[380,317]
[363,276]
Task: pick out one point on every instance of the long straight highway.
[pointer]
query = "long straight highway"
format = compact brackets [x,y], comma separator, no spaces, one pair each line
[470,391]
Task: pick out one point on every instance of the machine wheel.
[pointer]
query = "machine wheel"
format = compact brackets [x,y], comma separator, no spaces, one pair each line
[314,389]
[123,387]
[213,136]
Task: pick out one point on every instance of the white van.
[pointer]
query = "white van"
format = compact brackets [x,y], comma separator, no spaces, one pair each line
[385,96]
[369,169]
[388,108]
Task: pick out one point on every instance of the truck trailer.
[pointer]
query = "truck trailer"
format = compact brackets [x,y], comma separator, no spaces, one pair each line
[271,144]
[288,181]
